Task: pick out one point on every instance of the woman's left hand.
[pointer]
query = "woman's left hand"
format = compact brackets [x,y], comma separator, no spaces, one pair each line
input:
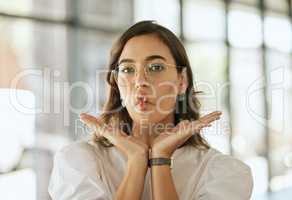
[167,142]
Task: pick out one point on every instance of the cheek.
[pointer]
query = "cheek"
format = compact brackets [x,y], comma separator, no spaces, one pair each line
[166,100]
[125,93]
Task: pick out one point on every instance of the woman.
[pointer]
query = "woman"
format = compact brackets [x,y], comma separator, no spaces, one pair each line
[150,119]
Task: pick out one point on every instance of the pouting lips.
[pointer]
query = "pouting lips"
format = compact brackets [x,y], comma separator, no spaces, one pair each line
[141,103]
[141,99]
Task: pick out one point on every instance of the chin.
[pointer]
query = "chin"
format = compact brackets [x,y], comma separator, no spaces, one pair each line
[148,118]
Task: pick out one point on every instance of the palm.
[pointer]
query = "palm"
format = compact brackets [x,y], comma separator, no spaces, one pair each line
[136,143]
[128,145]
[167,142]
[163,139]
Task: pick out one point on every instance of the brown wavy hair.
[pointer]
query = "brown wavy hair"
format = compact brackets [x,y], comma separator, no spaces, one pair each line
[188,108]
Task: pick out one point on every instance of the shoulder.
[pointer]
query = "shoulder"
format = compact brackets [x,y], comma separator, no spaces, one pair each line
[76,149]
[80,155]
[226,164]
[213,160]
[227,176]
[77,173]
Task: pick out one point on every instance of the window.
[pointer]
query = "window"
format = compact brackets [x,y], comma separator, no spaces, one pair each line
[206,58]
[278,32]
[240,53]
[245,27]
[61,42]
[203,20]
[152,10]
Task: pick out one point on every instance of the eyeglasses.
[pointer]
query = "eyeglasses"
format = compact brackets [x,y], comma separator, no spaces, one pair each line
[126,72]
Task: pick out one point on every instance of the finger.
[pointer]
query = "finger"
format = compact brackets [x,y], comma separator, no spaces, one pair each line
[184,130]
[215,113]
[195,127]
[91,121]
[210,117]
[181,126]
[95,124]
[132,138]
[200,126]
[114,129]
[119,132]
[115,135]
[89,118]
[123,133]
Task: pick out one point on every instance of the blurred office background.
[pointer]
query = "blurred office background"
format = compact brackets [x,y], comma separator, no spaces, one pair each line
[240,51]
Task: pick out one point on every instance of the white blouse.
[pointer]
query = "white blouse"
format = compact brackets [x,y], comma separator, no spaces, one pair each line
[87,171]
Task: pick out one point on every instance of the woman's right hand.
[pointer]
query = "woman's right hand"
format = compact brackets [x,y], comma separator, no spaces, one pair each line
[132,147]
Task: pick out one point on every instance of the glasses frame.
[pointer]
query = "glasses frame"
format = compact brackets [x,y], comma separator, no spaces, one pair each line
[115,71]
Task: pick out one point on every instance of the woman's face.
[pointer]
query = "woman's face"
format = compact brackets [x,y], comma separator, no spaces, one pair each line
[148,80]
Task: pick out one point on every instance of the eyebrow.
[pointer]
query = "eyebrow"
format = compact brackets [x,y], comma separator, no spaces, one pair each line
[149,58]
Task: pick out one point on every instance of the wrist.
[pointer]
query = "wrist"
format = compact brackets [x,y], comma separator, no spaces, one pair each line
[159,154]
[160,161]
[140,163]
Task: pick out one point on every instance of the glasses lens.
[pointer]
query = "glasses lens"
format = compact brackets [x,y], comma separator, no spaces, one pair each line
[124,73]
[156,71]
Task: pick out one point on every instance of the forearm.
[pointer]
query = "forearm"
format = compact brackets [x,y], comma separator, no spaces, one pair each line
[162,183]
[132,185]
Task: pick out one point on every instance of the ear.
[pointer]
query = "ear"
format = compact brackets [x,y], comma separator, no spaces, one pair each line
[183,81]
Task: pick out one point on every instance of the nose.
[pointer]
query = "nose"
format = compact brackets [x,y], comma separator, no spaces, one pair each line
[140,79]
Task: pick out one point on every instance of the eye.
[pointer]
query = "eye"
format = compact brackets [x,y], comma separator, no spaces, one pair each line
[156,67]
[127,69]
